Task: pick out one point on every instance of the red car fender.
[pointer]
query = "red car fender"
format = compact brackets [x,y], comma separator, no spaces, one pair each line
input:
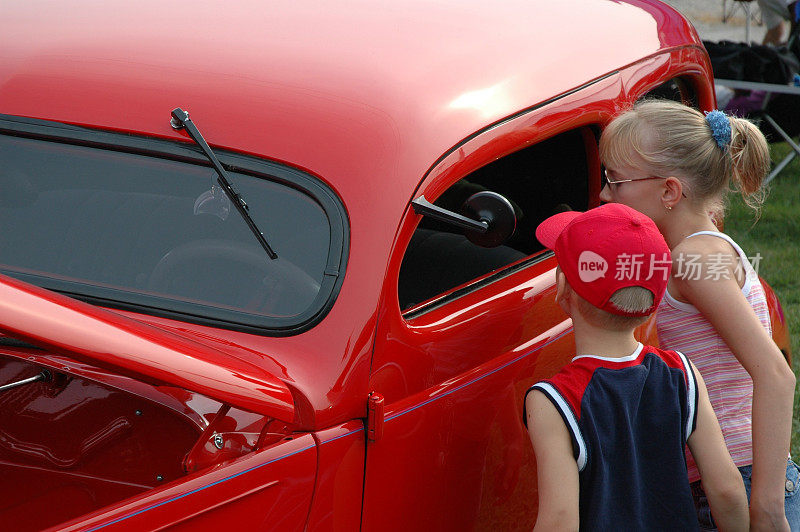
[780,330]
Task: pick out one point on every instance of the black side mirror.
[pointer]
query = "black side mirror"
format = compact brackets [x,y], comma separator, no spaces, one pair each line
[487,218]
[497,212]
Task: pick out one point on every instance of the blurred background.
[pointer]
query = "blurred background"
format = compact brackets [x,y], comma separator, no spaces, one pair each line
[716,20]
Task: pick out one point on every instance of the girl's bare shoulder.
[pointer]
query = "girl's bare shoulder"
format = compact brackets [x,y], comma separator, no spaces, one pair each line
[703,246]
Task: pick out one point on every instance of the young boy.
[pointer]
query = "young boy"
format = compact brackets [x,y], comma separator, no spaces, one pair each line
[609,430]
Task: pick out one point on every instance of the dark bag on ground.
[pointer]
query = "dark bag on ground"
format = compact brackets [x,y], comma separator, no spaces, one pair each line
[752,62]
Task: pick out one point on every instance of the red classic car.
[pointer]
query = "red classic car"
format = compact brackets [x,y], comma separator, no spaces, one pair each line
[272,266]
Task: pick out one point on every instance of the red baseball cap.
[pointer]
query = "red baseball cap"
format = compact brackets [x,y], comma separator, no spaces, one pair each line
[607,248]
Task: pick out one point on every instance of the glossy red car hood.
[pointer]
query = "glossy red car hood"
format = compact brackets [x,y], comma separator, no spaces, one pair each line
[100,337]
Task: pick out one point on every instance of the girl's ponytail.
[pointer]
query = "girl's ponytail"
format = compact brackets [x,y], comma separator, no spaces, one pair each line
[750,161]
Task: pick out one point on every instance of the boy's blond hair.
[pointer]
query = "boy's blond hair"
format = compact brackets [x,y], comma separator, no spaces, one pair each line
[630,299]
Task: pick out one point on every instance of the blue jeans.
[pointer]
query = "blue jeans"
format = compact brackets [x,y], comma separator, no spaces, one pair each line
[791,497]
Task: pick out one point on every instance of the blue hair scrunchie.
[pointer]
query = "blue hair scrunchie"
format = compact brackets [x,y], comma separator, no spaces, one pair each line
[720,126]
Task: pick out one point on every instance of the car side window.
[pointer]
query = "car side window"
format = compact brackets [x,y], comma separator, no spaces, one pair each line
[540,180]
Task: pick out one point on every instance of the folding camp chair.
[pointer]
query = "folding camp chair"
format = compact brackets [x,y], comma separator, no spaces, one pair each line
[750,9]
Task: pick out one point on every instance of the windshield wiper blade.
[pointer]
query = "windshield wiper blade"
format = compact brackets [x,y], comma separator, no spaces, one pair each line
[180,120]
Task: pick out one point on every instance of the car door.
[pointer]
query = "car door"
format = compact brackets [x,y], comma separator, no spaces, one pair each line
[465,330]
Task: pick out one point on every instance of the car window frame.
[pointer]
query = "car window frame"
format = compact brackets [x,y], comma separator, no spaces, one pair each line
[315,188]
[589,130]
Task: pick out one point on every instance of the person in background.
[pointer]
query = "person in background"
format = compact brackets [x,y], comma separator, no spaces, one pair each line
[609,429]
[774,13]
[675,164]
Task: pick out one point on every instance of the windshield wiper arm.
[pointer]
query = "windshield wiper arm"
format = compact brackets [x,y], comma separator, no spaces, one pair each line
[181,120]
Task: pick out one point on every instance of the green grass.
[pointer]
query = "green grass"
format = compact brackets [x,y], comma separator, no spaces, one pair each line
[775,235]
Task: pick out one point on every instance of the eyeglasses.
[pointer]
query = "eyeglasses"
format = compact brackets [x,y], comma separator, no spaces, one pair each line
[610,181]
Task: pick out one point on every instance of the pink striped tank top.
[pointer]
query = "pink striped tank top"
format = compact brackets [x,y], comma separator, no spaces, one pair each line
[682,328]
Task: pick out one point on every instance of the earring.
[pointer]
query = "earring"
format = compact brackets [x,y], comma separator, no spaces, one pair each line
[669,208]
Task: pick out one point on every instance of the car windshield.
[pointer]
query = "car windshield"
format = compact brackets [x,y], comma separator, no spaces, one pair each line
[155,234]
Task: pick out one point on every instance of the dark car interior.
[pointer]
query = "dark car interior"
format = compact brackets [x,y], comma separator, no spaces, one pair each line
[540,180]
